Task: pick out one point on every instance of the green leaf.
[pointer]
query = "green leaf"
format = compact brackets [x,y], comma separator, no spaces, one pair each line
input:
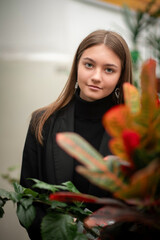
[4,194]
[70,186]
[2,202]
[1,212]
[135,54]
[79,212]
[26,216]
[43,185]
[67,186]
[55,204]
[26,202]
[12,168]
[18,188]
[58,226]
[15,197]
[30,192]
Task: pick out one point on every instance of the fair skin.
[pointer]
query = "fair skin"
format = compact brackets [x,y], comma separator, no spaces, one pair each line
[99,70]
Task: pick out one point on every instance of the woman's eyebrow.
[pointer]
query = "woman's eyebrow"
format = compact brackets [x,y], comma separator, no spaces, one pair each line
[107,64]
[111,65]
[89,59]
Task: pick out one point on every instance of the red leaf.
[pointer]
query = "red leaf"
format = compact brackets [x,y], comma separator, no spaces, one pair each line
[111,214]
[80,197]
[131,140]
[158,102]
[71,197]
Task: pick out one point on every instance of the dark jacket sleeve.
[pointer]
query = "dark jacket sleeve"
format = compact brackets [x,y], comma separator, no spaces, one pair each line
[30,169]
[29,161]
[46,162]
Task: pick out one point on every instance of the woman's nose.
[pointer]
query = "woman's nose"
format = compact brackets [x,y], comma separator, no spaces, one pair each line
[97,76]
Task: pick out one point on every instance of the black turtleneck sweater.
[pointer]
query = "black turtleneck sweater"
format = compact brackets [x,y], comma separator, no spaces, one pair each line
[88,124]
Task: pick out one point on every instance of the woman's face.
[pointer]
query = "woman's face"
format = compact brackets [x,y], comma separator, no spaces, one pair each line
[99,70]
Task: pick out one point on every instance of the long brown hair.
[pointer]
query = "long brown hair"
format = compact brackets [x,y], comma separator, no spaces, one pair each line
[113,41]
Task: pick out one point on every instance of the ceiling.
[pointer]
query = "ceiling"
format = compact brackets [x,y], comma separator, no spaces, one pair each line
[134,4]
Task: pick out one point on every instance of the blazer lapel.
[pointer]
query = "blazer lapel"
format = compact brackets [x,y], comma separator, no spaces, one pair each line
[63,163]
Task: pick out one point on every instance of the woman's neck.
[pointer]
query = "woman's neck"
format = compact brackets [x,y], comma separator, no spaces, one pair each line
[92,110]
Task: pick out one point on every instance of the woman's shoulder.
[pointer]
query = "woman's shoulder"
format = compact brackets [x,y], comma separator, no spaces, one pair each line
[38,115]
[43,119]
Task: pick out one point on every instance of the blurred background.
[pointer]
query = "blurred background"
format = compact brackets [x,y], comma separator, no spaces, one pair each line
[38,40]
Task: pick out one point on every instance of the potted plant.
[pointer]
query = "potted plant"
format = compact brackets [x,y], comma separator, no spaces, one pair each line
[132,174]
[137,22]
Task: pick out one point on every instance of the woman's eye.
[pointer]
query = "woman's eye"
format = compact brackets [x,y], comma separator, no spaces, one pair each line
[88,65]
[109,70]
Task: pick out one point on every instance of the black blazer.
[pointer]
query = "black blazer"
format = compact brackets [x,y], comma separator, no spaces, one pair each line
[49,163]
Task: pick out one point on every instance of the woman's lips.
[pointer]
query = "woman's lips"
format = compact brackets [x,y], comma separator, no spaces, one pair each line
[93,87]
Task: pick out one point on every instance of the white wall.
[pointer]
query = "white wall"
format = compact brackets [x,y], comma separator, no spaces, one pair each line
[37,42]
[32,25]
[51,25]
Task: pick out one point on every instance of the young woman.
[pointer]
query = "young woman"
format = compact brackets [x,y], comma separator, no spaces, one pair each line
[101,65]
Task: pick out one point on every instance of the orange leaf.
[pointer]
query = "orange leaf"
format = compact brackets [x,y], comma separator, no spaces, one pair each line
[116,120]
[117,148]
[148,78]
[131,97]
[149,87]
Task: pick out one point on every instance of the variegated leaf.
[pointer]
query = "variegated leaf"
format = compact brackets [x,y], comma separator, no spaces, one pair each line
[117,119]
[117,148]
[112,179]
[131,97]
[143,184]
[149,90]
[80,149]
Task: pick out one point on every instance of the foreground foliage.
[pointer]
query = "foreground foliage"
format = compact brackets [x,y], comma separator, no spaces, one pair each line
[62,221]
[132,174]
